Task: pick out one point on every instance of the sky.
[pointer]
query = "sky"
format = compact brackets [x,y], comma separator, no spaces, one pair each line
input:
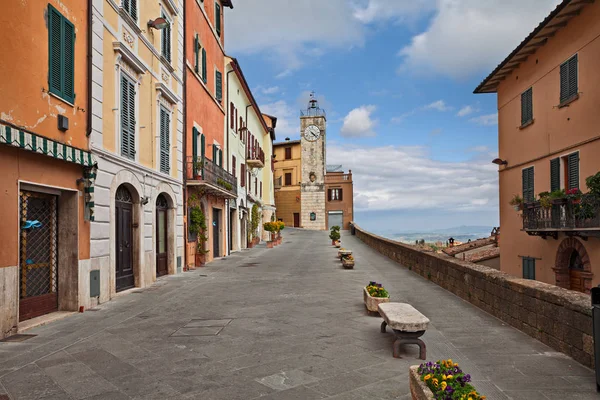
[396,78]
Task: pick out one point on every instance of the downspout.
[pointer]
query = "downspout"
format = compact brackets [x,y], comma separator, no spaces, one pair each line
[228,213]
[185,212]
[89,69]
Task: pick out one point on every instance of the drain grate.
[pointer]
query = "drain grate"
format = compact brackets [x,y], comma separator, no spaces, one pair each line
[202,327]
[17,338]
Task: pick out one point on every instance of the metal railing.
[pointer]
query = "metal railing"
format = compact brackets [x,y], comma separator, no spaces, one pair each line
[337,178]
[204,170]
[564,214]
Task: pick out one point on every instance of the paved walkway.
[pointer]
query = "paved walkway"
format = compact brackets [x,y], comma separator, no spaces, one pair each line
[283,323]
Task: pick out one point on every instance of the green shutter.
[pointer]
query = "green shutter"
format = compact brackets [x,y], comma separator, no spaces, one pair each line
[528,268]
[133,9]
[69,61]
[164,141]
[528,186]
[196,55]
[166,40]
[220,158]
[61,55]
[573,168]
[554,174]
[527,106]
[219,83]
[127,118]
[568,79]
[202,146]
[194,143]
[218,18]
[204,65]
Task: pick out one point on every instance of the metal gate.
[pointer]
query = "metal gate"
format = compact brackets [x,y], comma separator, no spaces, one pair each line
[38,272]
[335,218]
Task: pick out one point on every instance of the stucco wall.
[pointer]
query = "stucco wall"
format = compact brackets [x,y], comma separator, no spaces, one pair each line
[558,317]
[288,203]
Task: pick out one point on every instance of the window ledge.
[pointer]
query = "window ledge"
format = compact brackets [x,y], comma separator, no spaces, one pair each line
[167,63]
[526,124]
[568,101]
[130,21]
[60,98]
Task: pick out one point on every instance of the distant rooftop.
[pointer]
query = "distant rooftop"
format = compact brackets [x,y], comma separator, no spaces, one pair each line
[335,168]
[287,142]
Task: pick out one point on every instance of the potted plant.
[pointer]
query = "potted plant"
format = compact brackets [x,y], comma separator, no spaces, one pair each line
[441,380]
[281,227]
[373,295]
[271,228]
[573,195]
[334,234]
[338,244]
[545,200]
[348,261]
[254,222]
[516,202]
[197,227]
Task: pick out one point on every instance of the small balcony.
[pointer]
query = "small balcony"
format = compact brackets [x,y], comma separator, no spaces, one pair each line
[572,217]
[255,158]
[204,173]
[334,177]
[278,182]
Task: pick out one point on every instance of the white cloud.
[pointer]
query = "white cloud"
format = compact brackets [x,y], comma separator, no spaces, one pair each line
[479,149]
[380,10]
[471,36]
[287,123]
[486,120]
[405,177]
[466,110]
[439,105]
[358,122]
[270,90]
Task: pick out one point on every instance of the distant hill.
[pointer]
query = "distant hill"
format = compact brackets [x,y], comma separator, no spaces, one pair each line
[461,233]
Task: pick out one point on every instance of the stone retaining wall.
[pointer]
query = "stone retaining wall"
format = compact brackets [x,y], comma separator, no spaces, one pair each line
[560,318]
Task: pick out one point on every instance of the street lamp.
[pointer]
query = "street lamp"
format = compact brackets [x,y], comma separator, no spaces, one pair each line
[159,23]
[499,161]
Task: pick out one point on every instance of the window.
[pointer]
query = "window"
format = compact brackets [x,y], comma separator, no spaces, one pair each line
[166,40]
[255,185]
[528,187]
[261,189]
[243,174]
[233,166]
[249,182]
[288,179]
[219,86]
[288,153]
[61,57]
[236,120]
[127,117]
[527,106]
[130,6]
[197,48]
[334,194]
[231,115]
[528,268]
[165,132]
[554,174]
[218,18]
[204,70]
[571,163]
[568,79]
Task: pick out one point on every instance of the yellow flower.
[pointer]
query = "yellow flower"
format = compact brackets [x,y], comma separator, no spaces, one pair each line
[456,364]
[427,377]
[443,385]
[435,382]
[449,377]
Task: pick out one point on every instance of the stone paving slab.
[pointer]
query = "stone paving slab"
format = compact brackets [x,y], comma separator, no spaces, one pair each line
[292,326]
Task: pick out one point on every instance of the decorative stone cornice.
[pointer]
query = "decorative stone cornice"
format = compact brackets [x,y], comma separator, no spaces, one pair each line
[167,94]
[130,57]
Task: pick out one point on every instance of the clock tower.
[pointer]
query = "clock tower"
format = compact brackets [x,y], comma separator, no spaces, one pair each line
[313,125]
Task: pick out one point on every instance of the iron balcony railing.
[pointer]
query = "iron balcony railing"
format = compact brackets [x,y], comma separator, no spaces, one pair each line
[203,170]
[563,215]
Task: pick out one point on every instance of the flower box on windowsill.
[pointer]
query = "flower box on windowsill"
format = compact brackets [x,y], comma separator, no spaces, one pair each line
[371,302]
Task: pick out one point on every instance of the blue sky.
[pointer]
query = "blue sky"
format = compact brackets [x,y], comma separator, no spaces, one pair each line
[396,78]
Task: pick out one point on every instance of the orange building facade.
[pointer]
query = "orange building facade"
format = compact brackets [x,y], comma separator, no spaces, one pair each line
[339,205]
[47,172]
[548,90]
[209,186]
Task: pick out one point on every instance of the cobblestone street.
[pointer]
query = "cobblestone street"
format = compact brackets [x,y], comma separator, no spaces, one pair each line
[283,323]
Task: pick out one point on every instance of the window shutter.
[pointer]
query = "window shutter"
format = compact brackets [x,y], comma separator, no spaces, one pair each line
[573,167]
[231,115]
[219,84]
[221,158]
[55,46]
[328,194]
[527,106]
[164,141]
[214,153]
[131,99]
[196,53]
[233,160]
[133,11]
[69,61]
[528,188]
[218,18]
[554,174]
[568,79]
[124,117]
[236,120]
[573,79]
[202,146]
[255,185]
[204,64]
[340,197]
[243,174]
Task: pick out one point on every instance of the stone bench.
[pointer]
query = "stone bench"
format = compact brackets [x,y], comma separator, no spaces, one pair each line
[407,323]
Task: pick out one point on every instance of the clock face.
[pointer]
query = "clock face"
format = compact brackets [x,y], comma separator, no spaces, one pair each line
[312,133]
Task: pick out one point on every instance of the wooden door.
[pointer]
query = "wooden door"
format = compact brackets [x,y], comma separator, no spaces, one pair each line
[161,236]
[576,272]
[296,220]
[216,222]
[38,267]
[124,239]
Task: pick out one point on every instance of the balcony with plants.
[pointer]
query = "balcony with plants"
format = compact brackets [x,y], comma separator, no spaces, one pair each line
[569,211]
[213,179]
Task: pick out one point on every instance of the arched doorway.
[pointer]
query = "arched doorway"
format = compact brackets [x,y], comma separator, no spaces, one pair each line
[573,268]
[124,239]
[162,247]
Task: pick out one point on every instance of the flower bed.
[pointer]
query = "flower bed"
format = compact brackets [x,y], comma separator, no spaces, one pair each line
[442,380]
[344,253]
[373,295]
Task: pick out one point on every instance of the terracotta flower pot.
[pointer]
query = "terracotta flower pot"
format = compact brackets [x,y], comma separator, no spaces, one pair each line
[270,245]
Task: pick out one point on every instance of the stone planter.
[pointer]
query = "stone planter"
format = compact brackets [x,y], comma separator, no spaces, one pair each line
[373,302]
[348,264]
[343,253]
[418,388]
[250,244]
[338,244]
[270,245]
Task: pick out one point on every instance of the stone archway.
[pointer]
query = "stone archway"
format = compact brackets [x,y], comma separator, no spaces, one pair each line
[566,277]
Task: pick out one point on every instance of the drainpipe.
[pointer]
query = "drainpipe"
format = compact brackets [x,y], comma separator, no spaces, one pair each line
[89,69]
[184,189]
[227,150]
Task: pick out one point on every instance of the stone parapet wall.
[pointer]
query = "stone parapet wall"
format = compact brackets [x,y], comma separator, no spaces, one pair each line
[560,318]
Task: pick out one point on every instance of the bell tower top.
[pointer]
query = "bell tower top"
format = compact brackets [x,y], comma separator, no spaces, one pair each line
[313,109]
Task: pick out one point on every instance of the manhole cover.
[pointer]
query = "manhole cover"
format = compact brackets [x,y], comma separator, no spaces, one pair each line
[202,327]
[17,338]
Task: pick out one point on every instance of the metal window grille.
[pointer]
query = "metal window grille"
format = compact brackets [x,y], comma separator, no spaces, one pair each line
[39,244]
